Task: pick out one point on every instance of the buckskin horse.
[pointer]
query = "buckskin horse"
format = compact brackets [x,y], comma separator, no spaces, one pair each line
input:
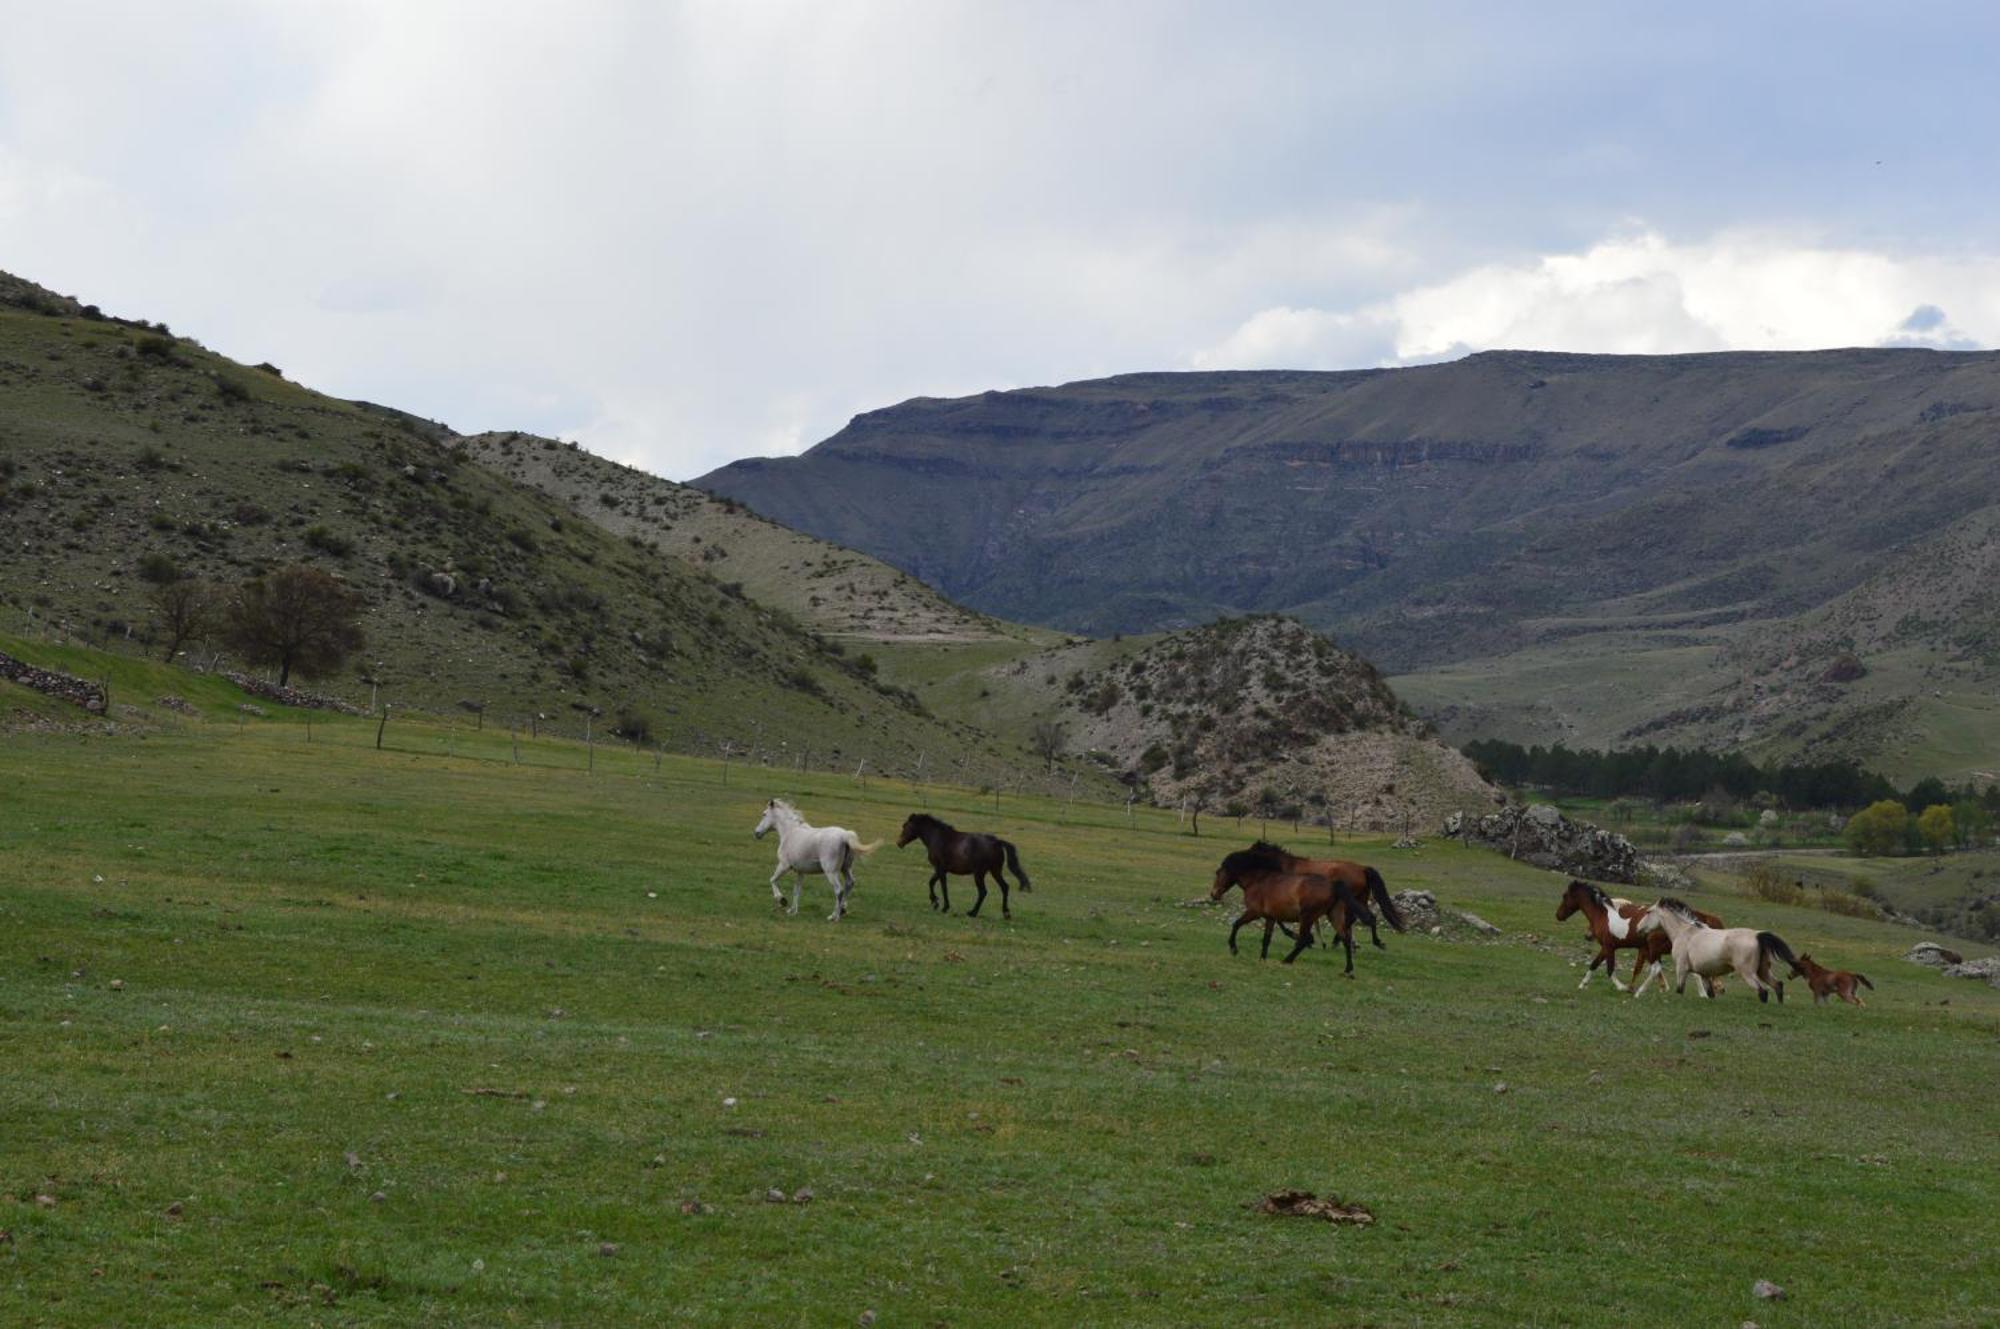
[1826,982]
[966,853]
[1361,879]
[1706,952]
[1277,896]
[1614,925]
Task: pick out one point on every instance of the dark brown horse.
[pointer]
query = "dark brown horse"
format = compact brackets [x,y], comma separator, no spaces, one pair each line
[1277,896]
[966,853]
[1614,925]
[1361,879]
[1826,982]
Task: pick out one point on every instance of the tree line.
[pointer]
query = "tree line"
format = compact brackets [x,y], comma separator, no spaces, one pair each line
[1682,775]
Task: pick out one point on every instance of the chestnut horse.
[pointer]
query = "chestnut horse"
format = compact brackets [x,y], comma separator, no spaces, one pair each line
[1361,879]
[1614,925]
[1277,896]
[965,853]
[1826,982]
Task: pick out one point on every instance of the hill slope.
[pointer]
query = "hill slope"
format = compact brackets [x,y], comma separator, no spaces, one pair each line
[1598,508]
[126,452]
[833,589]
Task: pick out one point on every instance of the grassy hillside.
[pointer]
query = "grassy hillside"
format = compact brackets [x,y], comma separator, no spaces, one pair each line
[128,454]
[1555,516]
[318,1033]
[835,590]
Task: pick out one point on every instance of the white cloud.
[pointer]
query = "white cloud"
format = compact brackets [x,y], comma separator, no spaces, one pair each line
[1640,293]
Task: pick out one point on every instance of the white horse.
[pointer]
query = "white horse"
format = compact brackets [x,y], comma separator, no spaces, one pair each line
[1707,952]
[802,848]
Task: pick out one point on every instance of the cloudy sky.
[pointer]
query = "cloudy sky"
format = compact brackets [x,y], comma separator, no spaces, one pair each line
[687,233]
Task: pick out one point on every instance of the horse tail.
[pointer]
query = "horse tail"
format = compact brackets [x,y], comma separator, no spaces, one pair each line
[1862,979]
[1380,890]
[1014,865]
[854,843]
[1770,943]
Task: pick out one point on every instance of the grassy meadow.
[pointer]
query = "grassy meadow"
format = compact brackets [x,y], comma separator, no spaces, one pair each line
[301,1032]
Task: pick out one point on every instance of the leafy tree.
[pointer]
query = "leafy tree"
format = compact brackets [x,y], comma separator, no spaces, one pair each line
[1974,822]
[1937,828]
[1878,828]
[187,610]
[1926,792]
[297,618]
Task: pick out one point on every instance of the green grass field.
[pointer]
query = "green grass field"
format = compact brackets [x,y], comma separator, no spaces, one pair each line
[306,1033]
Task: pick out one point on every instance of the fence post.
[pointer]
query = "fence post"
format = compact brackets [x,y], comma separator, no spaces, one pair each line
[380,727]
[589,746]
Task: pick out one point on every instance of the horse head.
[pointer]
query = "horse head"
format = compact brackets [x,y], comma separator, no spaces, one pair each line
[913,828]
[769,820]
[1227,873]
[1572,899]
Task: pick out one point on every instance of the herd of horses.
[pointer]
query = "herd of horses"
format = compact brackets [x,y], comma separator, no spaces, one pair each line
[1296,895]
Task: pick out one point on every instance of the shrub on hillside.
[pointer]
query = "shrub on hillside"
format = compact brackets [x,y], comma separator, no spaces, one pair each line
[1879,828]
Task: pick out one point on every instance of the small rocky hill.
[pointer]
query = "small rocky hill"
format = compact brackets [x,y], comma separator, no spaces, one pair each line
[1264,713]
[832,589]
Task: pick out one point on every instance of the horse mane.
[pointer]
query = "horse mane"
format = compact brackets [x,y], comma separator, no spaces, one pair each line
[1264,854]
[786,804]
[926,819]
[1594,891]
[1678,906]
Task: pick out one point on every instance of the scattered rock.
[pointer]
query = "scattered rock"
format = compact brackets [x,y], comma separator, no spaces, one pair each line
[692,1206]
[1987,969]
[176,1209]
[378,1197]
[46,1201]
[1930,953]
[1500,1088]
[1418,908]
[1304,1204]
[1541,835]
[866,1318]
[352,1159]
[117,984]
[803,1195]
[180,704]
[1478,924]
[1768,1290]
[607,1248]
[774,1196]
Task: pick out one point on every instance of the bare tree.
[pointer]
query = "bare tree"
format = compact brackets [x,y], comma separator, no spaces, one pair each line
[1046,740]
[297,618]
[187,610]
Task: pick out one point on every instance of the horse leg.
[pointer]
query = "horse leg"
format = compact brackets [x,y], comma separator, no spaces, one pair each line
[834,878]
[777,891]
[1269,923]
[1006,907]
[1238,928]
[944,886]
[979,880]
[1305,937]
[798,885]
[932,884]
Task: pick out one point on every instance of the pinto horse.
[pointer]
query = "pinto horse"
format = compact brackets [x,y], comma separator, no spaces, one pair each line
[965,853]
[1277,896]
[1360,879]
[1826,982]
[1706,952]
[1614,925]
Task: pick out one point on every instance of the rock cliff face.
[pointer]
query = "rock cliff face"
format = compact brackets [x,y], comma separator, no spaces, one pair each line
[1427,514]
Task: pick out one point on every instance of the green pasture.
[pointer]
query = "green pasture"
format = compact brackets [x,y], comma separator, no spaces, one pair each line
[301,1032]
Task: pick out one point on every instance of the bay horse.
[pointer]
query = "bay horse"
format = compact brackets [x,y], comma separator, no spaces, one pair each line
[1362,880]
[971,853]
[1277,896]
[802,848]
[1826,982]
[1614,925]
[1706,952]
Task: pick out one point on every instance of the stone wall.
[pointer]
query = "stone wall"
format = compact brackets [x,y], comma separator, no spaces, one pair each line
[50,682]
